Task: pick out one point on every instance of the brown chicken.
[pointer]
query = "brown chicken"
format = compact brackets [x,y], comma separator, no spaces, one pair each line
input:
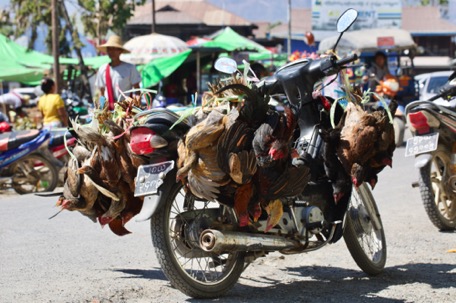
[366,143]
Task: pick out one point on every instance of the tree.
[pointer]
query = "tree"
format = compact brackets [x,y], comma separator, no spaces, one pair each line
[108,14]
[99,16]
[33,14]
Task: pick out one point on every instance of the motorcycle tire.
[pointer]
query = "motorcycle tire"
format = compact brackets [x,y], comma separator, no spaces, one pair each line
[363,235]
[440,210]
[399,130]
[194,272]
[33,173]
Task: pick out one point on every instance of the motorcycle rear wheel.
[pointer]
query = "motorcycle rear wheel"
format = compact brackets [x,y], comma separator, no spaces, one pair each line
[399,130]
[438,204]
[363,233]
[33,173]
[175,229]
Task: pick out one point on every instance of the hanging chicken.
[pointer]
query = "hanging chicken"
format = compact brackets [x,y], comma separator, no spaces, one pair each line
[364,141]
[100,177]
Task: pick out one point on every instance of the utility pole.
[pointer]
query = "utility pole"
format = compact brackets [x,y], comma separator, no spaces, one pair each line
[289,30]
[55,44]
[82,66]
[153,16]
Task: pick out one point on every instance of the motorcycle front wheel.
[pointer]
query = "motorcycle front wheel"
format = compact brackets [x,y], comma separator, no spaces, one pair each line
[33,173]
[175,228]
[364,233]
[435,192]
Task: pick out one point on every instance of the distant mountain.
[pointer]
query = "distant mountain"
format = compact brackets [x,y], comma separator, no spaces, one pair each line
[261,10]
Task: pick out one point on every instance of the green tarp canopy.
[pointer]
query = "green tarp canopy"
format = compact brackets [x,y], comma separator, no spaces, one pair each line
[16,72]
[161,68]
[225,39]
[229,40]
[27,66]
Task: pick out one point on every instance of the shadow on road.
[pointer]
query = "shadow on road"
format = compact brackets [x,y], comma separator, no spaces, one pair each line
[153,274]
[328,284]
[332,284]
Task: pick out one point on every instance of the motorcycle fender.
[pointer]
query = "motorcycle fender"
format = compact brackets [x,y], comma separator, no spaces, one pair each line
[422,160]
[150,205]
[152,202]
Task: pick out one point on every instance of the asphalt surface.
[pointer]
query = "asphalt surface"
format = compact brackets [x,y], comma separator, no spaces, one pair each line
[71,259]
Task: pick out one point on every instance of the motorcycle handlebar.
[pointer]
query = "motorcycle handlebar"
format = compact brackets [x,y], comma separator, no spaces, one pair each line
[347,60]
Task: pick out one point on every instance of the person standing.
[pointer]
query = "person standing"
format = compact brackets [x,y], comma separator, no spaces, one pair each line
[12,101]
[51,106]
[117,74]
[379,68]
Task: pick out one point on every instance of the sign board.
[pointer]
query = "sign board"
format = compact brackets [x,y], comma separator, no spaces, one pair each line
[385,42]
[372,14]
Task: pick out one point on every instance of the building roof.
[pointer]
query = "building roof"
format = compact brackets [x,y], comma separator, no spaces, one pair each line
[186,12]
[425,20]
[420,20]
[301,22]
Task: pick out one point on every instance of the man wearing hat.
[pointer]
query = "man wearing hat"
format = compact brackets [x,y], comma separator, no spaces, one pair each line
[116,75]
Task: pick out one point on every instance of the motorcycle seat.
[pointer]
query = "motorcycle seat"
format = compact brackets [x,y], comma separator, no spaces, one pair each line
[58,137]
[14,139]
[166,117]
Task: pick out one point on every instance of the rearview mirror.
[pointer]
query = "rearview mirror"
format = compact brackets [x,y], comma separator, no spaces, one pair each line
[226,65]
[346,20]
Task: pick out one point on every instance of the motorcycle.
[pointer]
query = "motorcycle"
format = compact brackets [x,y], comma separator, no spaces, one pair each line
[198,248]
[26,164]
[76,107]
[433,126]
[61,139]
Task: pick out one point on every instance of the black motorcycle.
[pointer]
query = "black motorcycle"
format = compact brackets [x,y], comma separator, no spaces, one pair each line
[196,242]
[433,125]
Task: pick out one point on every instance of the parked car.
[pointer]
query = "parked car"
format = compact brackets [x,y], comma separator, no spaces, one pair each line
[429,84]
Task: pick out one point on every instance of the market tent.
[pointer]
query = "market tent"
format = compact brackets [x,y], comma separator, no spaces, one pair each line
[27,66]
[229,40]
[10,71]
[369,40]
[161,68]
[222,40]
[145,48]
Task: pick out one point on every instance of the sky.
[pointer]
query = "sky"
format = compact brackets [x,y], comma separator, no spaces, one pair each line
[272,10]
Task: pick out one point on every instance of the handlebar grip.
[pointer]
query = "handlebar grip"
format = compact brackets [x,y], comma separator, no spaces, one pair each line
[347,60]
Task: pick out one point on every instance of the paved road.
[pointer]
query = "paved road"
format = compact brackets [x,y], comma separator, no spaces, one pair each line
[71,259]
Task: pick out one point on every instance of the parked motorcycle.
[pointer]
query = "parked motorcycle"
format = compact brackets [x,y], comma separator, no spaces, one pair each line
[26,164]
[76,107]
[196,242]
[433,125]
[61,139]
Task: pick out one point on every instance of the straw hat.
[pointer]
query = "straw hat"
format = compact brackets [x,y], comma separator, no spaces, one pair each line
[113,41]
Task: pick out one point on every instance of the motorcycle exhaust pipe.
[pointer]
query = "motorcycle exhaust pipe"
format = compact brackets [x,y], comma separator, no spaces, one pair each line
[216,241]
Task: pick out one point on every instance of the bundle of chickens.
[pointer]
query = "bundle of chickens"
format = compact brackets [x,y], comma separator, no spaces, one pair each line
[360,146]
[99,181]
[240,153]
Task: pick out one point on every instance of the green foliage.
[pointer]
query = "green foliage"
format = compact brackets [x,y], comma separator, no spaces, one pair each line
[30,15]
[433,2]
[109,14]
[6,27]
[100,16]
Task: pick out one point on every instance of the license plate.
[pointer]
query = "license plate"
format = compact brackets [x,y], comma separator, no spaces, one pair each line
[421,144]
[150,177]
